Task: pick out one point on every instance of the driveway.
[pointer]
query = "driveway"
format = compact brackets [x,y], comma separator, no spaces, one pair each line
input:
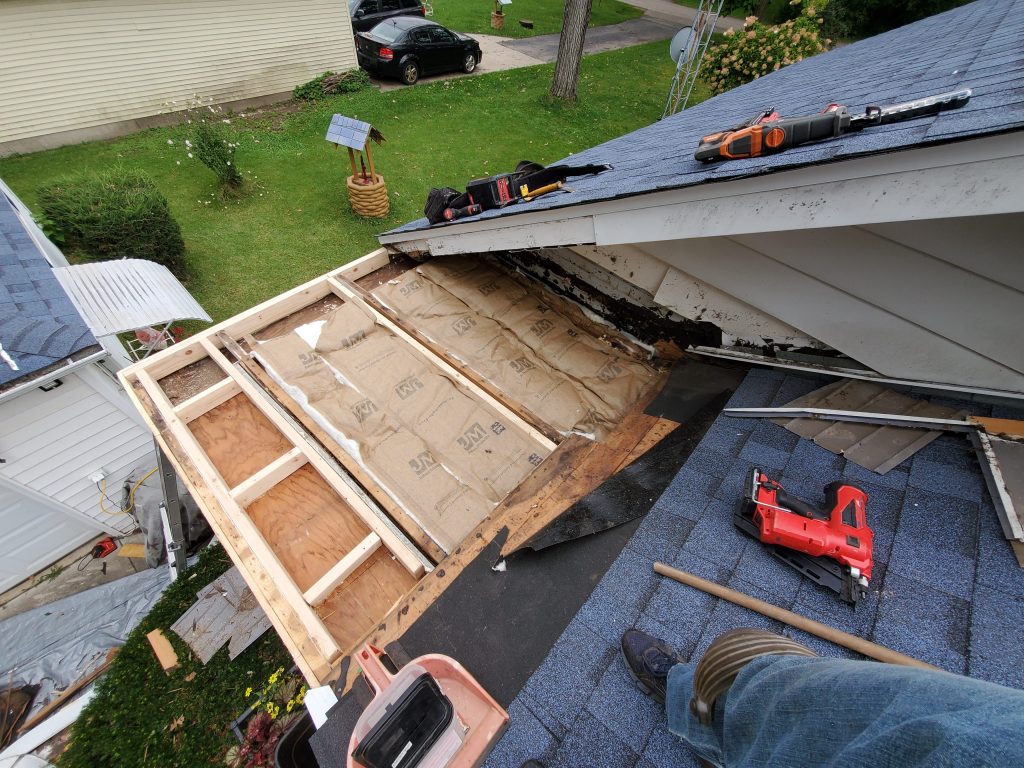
[661,20]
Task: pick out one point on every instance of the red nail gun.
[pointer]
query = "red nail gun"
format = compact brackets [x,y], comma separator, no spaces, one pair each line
[832,547]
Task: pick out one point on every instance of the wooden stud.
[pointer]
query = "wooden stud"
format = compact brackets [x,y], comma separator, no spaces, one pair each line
[255,486]
[331,580]
[311,663]
[369,159]
[406,556]
[207,400]
[350,293]
[524,413]
[347,462]
[352,161]
[247,529]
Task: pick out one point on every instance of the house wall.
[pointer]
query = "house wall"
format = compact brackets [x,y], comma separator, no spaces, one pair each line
[52,442]
[71,70]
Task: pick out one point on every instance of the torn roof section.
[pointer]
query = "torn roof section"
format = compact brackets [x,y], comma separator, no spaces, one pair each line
[977,46]
[39,326]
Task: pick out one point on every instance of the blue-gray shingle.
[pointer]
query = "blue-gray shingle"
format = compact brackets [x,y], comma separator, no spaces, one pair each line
[39,326]
[975,46]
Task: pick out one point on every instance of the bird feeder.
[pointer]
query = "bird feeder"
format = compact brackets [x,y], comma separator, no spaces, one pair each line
[367,193]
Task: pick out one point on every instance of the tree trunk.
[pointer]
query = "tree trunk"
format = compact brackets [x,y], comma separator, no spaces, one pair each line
[570,49]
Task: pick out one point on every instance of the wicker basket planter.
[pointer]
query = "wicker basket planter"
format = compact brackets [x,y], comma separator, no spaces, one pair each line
[368,200]
[497,20]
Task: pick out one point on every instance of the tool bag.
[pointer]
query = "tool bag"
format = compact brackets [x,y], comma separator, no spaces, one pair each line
[502,189]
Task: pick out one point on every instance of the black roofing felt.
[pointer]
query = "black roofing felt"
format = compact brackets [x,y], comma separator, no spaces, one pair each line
[978,46]
[39,326]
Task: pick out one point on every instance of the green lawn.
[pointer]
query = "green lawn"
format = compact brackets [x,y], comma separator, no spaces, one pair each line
[475,15]
[295,223]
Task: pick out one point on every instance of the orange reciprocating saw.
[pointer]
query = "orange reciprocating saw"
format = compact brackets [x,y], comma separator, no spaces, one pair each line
[765,133]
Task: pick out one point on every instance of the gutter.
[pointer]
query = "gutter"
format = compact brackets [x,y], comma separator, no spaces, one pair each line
[66,366]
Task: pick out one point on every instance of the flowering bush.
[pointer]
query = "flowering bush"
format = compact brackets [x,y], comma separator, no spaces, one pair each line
[265,728]
[760,48]
[206,139]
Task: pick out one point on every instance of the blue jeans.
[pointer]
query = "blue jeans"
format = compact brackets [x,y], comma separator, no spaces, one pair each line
[797,711]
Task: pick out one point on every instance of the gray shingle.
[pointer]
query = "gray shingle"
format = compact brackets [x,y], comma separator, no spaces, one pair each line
[38,324]
[976,46]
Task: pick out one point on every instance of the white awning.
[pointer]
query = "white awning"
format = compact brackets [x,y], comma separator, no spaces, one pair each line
[118,296]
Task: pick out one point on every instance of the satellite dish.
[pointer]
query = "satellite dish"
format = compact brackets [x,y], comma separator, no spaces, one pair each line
[680,50]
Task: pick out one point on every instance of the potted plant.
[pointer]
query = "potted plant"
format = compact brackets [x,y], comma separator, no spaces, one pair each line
[261,726]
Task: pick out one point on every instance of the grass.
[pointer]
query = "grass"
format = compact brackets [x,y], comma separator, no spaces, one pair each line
[475,16]
[143,717]
[294,222]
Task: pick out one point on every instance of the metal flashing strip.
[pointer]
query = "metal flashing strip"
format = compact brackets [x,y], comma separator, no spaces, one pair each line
[854,373]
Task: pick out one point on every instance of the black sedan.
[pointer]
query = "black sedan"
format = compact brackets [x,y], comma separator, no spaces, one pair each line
[406,47]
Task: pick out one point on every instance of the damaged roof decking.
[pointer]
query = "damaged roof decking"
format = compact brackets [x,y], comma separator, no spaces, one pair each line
[977,46]
[39,326]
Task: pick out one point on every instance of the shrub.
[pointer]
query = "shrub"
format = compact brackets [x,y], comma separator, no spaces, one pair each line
[854,19]
[329,84]
[206,139]
[759,48]
[113,215]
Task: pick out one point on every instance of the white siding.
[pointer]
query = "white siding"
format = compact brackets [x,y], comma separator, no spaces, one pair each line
[72,64]
[53,441]
[33,535]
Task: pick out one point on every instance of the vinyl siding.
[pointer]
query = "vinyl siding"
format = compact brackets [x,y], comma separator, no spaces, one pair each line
[74,64]
[33,535]
[53,441]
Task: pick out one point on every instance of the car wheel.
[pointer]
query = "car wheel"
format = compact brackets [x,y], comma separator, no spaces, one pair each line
[410,73]
[469,63]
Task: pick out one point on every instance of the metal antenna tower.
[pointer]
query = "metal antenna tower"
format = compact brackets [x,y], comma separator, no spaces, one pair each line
[689,50]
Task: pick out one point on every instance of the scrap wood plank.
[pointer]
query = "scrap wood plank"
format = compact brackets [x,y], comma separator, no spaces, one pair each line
[508,515]
[316,433]
[58,700]
[875,447]
[163,649]
[314,665]
[226,611]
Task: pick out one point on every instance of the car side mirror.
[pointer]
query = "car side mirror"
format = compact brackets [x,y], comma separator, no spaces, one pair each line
[360,12]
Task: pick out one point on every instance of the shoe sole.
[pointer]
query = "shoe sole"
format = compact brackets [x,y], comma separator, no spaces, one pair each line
[644,687]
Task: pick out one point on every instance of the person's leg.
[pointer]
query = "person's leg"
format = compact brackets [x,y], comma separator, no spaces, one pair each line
[789,710]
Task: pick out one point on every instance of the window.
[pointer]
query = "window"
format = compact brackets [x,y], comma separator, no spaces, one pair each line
[421,36]
[441,35]
[387,6]
[410,3]
[369,6]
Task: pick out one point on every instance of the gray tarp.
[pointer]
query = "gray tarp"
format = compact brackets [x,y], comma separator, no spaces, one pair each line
[56,644]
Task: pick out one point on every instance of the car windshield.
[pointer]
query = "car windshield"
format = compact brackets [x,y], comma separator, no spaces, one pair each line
[352,6]
[387,32]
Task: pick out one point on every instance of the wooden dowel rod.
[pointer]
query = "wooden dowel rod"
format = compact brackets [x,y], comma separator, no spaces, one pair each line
[833,635]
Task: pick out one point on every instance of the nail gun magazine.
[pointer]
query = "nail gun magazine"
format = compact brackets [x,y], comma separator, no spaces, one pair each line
[766,133]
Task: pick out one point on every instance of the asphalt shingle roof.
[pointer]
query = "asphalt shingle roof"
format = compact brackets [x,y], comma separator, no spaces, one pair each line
[977,46]
[950,593]
[39,326]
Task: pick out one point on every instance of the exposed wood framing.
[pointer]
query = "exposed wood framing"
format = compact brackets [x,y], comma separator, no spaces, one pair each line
[524,413]
[410,527]
[398,547]
[256,485]
[331,580]
[350,293]
[207,400]
[301,452]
